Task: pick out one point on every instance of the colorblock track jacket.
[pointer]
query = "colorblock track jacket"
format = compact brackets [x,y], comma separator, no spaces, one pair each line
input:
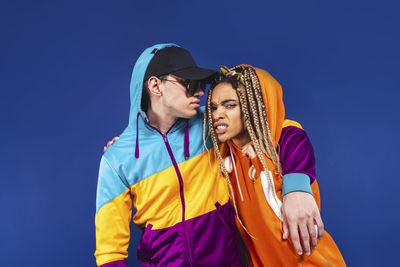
[181,200]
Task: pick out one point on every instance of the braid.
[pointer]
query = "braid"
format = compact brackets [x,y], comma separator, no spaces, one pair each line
[255,117]
[205,138]
[214,139]
[267,136]
[256,120]
[250,130]
[261,110]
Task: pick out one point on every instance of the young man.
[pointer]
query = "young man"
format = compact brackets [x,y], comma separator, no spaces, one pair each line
[161,167]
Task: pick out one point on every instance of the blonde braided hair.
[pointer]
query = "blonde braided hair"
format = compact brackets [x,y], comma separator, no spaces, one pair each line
[255,117]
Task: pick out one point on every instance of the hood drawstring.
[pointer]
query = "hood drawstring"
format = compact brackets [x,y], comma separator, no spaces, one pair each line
[187,154]
[137,136]
[234,166]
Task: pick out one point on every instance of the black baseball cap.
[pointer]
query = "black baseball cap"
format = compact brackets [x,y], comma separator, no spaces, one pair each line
[179,62]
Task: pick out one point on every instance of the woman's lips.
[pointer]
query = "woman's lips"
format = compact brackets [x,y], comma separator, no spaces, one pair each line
[220,128]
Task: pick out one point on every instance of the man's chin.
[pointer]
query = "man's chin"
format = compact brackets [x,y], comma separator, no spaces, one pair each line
[190,115]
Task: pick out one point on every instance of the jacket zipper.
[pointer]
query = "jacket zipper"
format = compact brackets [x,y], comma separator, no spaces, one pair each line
[188,247]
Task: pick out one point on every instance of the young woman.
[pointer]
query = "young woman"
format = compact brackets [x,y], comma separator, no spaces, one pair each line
[245,107]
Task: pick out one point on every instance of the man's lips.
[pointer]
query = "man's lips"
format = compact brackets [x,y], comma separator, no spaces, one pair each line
[196,103]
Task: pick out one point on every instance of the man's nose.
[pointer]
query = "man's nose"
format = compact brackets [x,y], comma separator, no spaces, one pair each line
[199,93]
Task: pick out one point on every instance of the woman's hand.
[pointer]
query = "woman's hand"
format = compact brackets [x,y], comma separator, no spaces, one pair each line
[248,151]
[109,143]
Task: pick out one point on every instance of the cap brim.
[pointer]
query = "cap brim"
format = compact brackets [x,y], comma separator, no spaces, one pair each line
[196,73]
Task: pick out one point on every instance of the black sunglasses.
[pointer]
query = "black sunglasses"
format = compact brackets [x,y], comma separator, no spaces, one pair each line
[191,86]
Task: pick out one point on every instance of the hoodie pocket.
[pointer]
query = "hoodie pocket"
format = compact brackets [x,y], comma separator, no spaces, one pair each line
[225,214]
[214,238]
[161,247]
[144,246]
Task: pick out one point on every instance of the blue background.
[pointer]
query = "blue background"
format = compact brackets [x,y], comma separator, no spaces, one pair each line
[65,69]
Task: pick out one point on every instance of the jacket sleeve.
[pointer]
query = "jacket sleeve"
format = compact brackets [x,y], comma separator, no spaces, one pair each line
[113,216]
[297,160]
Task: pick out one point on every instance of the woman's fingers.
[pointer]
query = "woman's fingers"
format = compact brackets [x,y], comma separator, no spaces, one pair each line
[109,143]
[248,151]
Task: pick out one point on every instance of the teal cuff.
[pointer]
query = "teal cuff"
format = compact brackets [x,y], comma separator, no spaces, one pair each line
[296,182]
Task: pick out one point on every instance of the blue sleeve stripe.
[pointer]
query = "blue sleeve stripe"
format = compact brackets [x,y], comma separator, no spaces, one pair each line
[296,182]
[110,184]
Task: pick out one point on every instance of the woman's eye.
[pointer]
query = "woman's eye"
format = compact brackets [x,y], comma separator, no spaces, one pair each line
[213,108]
[230,105]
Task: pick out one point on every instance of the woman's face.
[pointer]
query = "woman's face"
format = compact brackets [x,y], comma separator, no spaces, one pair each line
[227,116]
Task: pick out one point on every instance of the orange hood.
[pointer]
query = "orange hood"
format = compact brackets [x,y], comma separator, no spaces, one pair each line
[273,100]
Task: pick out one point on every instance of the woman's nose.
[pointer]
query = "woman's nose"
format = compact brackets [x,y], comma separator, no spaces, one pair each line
[218,114]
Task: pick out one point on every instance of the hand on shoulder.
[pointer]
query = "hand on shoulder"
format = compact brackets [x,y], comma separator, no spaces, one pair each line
[109,143]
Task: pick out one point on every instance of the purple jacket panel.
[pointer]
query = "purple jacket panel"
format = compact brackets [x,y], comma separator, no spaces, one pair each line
[214,238]
[297,153]
[121,263]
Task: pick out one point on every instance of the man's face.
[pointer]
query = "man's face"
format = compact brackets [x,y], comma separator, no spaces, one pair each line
[175,98]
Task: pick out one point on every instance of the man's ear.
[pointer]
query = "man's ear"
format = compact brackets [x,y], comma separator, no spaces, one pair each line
[153,84]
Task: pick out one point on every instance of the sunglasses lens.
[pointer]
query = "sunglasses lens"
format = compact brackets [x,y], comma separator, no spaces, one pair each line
[195,86]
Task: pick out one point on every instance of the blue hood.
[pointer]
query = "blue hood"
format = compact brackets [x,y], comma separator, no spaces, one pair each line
[137,81]
[123,160]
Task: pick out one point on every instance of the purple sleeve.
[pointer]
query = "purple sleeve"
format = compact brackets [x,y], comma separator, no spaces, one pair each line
[121,263]
[296,152]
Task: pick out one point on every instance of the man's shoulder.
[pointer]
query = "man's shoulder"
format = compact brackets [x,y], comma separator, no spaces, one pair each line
[122,148]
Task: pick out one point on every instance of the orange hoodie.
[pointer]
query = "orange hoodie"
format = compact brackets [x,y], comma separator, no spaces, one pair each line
[259,203]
